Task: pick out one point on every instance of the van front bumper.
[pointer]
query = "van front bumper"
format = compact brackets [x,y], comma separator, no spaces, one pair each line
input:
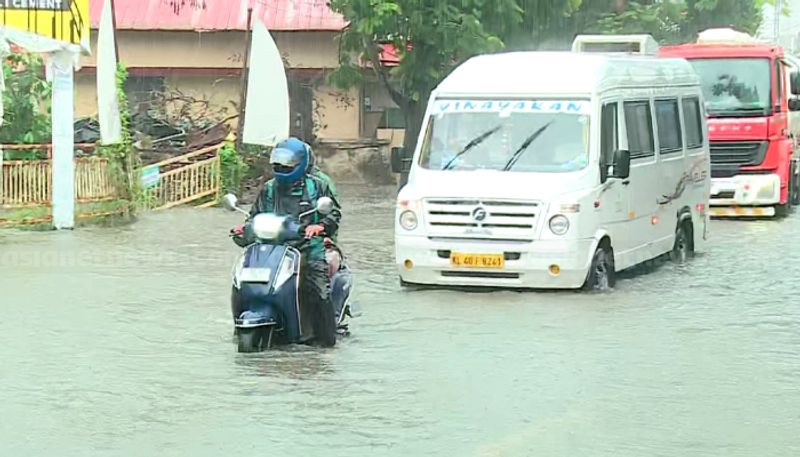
[528,264]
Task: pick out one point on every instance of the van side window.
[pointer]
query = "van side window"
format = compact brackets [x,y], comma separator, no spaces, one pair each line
[609,140]
[693,126]
[639,122]
[668,119]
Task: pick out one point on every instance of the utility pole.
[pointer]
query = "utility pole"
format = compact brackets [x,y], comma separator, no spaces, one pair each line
[777,21]
[243,93]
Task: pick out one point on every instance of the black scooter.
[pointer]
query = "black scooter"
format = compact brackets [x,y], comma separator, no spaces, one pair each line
[265,296]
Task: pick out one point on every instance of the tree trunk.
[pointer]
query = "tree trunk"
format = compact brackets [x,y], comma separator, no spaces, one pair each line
[413,117]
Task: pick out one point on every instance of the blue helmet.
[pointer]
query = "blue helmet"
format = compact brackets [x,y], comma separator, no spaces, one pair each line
[289,160]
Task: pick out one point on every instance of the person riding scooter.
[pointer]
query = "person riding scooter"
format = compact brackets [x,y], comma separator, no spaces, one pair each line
[293,191]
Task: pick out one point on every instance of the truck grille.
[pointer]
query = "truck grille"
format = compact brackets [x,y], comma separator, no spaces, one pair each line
[481,218]
[728,156]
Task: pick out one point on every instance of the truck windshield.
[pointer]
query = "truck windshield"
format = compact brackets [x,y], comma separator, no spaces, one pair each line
[735,87]
[503,135]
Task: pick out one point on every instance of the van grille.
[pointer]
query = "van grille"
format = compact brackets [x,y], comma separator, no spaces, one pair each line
[728,156]
[481,218]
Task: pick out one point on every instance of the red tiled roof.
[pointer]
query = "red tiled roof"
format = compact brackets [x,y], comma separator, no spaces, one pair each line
[388,56]
[285,15]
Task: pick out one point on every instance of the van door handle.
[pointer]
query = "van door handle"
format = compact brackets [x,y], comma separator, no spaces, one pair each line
[626,182]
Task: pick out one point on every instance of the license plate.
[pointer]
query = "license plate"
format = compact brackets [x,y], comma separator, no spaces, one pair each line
[459,260]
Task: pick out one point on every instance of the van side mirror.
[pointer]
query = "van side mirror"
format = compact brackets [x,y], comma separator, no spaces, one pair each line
[794,83]
[794,104]
[622,164]
[399,160]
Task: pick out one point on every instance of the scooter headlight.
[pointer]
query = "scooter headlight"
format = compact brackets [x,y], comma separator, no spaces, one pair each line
[285,272]
[268,226]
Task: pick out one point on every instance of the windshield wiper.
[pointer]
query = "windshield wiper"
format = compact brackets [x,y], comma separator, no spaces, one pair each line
[474,142]
[525,144]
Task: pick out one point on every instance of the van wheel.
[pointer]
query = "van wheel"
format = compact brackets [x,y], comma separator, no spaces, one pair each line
[683,249]
[601,272]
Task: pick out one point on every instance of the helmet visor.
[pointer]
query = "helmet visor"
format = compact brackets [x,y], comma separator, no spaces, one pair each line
[284,158]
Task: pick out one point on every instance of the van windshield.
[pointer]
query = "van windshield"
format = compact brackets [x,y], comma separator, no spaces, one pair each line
[735,87]
[503,135]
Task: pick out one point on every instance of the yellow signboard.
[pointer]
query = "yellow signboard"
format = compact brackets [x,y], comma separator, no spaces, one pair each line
[62,20]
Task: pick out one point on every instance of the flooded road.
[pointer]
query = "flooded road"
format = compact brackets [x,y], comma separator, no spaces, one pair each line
[119,342]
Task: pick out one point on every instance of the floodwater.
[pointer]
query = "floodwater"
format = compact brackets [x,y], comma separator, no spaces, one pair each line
[118,342]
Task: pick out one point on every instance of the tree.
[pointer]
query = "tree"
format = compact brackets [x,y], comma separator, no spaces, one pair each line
[430,37]
[678,21]
[26,100]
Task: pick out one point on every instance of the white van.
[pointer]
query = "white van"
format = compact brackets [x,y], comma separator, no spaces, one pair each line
[554,170]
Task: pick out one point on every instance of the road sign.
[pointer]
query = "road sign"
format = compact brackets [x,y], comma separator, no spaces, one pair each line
[66,21]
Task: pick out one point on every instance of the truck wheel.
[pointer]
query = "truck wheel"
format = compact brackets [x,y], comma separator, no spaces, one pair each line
[601,272]
[794,186]
[683,249]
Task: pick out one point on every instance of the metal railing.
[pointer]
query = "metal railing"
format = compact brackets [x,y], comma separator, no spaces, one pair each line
[186,179]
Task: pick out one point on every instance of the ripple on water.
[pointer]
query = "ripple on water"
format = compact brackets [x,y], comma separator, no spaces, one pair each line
[131,353]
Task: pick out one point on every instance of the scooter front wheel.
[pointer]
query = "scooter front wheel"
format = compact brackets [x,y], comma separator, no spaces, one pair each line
[254,339]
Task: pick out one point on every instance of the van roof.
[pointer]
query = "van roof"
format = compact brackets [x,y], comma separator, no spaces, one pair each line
[563,73]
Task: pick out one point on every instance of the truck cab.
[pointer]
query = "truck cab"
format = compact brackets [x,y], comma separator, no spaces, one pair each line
[749,94]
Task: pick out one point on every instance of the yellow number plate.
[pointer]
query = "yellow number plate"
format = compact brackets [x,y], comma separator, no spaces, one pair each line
[459,260]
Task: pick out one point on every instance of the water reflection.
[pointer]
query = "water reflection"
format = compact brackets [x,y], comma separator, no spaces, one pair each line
[131,353]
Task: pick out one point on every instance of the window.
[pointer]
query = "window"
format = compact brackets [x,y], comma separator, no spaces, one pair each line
[639,123]
[692,123]
[143,92]
[392,118]
[609,138]
[668,119]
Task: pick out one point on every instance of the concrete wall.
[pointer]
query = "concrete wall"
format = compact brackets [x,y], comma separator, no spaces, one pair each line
[153,49]
[206,65]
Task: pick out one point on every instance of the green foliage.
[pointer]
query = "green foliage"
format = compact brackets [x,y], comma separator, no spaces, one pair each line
[122,156]
[677,21]
[26,101]
[431,37]
[234,168]
[442,33]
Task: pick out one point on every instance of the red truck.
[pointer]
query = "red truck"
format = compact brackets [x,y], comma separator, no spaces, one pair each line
[749,92]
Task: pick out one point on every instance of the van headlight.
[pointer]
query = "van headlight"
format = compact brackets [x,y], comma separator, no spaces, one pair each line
[408,220]
[559,224]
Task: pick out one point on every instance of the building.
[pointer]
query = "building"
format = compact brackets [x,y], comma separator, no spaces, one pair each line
[197,48]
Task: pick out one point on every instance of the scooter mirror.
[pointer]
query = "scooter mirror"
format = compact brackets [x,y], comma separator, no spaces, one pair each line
[324,205]
[229,202]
